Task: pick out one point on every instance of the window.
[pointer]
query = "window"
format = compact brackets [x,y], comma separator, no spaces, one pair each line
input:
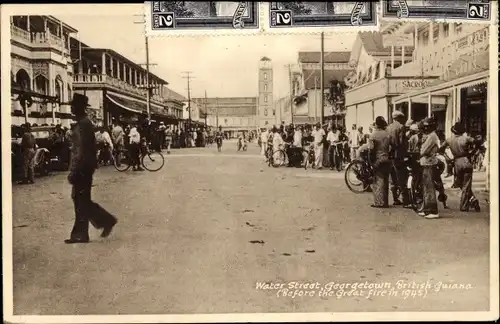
[265,87]
[446,29]
[265,98]
[265,75]
[458,28]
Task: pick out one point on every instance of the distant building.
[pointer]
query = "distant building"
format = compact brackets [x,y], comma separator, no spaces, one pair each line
[41,69]
[233,114]
[266,113]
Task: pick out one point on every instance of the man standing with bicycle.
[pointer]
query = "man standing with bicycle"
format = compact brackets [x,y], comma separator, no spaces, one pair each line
[399,173]
[135,148]
[319,138]
[333,140]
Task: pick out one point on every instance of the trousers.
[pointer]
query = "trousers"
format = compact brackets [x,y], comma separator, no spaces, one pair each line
[29,164]
[399,177]
[85,209]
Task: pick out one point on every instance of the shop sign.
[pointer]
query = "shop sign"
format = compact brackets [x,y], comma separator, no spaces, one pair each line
[397,40]
[415,84]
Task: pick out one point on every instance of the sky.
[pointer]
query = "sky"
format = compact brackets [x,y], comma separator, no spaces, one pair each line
[223,66]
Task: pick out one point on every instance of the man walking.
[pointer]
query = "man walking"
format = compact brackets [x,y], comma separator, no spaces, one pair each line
[82,167]
[399,173]
[168,138]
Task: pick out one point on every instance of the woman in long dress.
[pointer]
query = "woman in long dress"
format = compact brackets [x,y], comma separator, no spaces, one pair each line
[379,144]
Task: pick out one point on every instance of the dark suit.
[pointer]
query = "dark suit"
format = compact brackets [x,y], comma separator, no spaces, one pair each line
[82,166]
[399,173]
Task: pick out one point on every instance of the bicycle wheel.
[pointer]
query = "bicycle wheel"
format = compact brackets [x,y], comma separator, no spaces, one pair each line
[415,195]
[153,161]
[121,161]
[278,158]
[356,178]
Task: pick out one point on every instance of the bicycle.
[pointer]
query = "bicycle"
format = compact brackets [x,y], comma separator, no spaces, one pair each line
[363,173]
[310,156]
[151,160]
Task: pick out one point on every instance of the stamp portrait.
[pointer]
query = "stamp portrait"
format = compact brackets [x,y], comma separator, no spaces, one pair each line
[470,10]
[168,16]
[299,14]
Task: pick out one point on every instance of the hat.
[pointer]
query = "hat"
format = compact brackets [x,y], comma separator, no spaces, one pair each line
[380,122]
[80,100]
[397,114]
[414,127]
[409,123]
[458,129]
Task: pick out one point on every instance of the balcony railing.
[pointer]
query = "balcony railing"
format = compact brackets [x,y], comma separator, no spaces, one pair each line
[37,38]
[116,83]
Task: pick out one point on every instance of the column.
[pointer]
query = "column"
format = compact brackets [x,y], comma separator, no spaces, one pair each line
[136,77]
[111,66]
[415,45]
[130,76]
[429,104]
[46,31]
[103,63]
[69,43]
[402,55]
[410,115]
[28,24]
[117,69]
[392,58]
[458,111]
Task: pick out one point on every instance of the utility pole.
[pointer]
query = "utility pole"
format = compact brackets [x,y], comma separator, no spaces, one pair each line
[206,111]
[322,78]
[217,112]
[148,86]
[291,91]
[188,77]
[315,99]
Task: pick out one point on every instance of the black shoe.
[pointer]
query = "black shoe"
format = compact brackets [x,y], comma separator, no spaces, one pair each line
[107,229]
[75,240]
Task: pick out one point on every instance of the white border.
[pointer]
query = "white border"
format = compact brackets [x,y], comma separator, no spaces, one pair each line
[81,9]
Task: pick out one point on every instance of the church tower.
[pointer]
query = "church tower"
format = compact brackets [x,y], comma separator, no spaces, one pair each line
[266,115]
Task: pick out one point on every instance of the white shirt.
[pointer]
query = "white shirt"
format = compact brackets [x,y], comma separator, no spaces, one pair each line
[318,135]
[297,138]
[332,137]
[264,136]
[354,138]
[277,140]
[107,139]
[134,136]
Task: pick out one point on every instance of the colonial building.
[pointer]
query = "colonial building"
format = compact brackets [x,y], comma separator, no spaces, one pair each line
[305,79]
[375,82]
[116,87]
[234,114]
[458,56]
[41,70]
[265,112]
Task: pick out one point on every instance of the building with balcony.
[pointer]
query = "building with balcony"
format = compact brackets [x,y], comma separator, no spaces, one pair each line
[384,71]
[41,70]
[233,114]
[117,87]
[457,54]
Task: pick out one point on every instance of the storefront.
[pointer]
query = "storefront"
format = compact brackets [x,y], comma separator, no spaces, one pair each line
[463,99]
[376,98]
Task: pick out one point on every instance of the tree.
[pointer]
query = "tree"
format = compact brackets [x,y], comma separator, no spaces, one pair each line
[297,7]
[179,8]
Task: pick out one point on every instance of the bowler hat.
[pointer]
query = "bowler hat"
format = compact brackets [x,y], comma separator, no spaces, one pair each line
[80,100]
[458,128]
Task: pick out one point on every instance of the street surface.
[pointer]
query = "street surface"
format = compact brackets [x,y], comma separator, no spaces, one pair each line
[197,237]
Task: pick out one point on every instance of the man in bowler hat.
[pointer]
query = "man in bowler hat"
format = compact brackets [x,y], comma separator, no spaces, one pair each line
[82,166]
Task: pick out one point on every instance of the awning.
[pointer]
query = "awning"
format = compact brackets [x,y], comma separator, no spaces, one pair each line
[127,104]
[460,83]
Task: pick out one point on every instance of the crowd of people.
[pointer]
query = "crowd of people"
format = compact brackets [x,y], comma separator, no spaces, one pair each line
[392,150]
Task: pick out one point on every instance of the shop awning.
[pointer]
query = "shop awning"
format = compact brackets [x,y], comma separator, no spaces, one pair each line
[128,104]
[463,82]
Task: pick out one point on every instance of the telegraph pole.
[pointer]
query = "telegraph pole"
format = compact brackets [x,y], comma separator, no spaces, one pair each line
[322,78]
[206,111]
[189,77]
[148,86]
[291,91]
[315,99]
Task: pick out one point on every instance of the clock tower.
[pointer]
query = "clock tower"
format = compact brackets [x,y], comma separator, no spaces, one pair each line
[266,115]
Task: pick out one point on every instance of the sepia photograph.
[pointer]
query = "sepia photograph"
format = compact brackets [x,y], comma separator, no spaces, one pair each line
[331,173]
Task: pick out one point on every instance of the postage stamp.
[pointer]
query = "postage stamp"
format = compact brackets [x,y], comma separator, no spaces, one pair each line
[163,17]
[300,14]
[470,10]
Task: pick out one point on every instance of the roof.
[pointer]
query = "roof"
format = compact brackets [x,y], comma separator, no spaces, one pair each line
[170,94]
[329,57]
[121,57]
[68,27]
[310,75]
[265,58]
[374,45]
